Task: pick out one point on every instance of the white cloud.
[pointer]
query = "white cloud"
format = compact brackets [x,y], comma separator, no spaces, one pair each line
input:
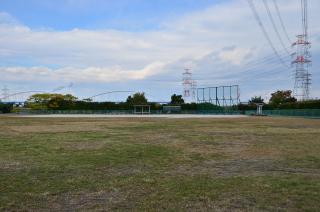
[111,55]
[235,56]
[90,74]
[7,19]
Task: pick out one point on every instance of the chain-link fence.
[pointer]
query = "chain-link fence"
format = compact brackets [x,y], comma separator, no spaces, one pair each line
[213,111]
[294,112]
[119,112]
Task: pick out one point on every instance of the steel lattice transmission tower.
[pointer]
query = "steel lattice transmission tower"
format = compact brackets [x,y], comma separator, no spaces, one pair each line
[189,85]
[5,94]
[194,89]
[302,58]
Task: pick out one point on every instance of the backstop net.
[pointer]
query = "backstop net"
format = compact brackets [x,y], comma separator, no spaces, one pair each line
[223,96]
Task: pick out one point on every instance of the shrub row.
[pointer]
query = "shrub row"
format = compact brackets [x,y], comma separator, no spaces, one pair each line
[6,108]
[82,105]
[311,104]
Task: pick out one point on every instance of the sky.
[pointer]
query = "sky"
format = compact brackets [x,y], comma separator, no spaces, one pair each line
[97,46]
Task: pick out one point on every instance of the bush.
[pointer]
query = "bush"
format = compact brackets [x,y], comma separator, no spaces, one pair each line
[190,106]
[6,108]
[310,104]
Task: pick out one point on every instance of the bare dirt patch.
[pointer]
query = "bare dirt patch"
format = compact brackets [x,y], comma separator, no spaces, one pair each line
[240,168]
[55,128]
[83,145]
[99,200]
[125,171]
[10,166]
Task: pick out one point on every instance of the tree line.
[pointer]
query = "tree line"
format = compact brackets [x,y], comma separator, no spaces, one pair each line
[280,100]
[49,101]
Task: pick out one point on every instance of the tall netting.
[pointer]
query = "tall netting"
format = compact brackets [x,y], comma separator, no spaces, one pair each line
[223,96]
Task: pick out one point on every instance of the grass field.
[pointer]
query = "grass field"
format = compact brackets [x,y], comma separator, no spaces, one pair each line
[159,164]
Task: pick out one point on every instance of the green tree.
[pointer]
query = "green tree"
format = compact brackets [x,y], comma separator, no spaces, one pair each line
[39,98]
[50,101]
[256,99]
[137,99]
[177,99]
[56,101]
[38,101]
[281,97]
[69,97]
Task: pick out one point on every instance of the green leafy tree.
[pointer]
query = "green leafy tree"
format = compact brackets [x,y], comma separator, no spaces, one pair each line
[129,100]
[137,99]
[281,97]
[50,101]
[256,100]
[69,97]
[40,98]
[56,101]
[38,101]
[177,99]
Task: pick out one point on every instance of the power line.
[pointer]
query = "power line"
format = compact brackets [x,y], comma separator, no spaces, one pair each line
[256,15]
[19,93]
[271,69]
[110,92]
[253,67]
[249,67]
[281,20]
[275,26]
[264,60]
[304,5]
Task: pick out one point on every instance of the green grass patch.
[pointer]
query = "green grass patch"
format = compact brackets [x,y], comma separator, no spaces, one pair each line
[248,164]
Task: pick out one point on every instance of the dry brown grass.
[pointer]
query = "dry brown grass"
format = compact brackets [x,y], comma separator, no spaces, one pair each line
[159,164]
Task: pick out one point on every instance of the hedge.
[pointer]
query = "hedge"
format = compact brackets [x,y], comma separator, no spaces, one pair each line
[6,108]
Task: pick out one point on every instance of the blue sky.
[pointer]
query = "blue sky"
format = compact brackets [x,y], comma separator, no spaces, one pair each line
[143,45]
[100,14]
